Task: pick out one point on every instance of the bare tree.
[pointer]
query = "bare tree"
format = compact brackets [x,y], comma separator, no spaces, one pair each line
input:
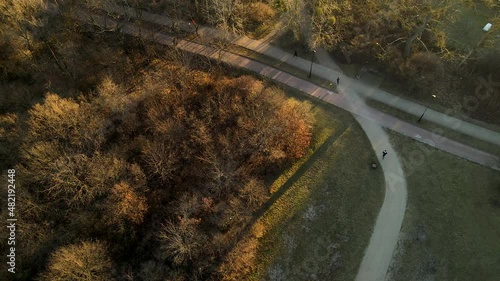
[87,261]
[182,241]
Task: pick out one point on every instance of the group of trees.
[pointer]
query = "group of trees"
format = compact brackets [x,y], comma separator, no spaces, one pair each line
[392,31]
[409,38]
[129,167]
[153,177]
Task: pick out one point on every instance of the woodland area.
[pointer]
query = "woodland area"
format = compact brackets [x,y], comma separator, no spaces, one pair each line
[133,161]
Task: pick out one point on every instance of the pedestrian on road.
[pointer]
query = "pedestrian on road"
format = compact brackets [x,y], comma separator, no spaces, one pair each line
[338,80]
[384,153]
[295,55]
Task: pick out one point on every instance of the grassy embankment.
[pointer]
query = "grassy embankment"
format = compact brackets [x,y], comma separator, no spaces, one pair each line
[452,224]
[320,224]
[438,129]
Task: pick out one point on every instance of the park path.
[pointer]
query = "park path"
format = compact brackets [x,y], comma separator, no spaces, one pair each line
[385,234]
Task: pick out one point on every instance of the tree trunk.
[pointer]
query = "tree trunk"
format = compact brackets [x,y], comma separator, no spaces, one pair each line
[417,33]
[346,52]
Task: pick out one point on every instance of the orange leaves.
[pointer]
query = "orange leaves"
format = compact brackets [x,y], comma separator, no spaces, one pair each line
[55,118]
[259,12]
[125,204]
[298,133]
[83,261]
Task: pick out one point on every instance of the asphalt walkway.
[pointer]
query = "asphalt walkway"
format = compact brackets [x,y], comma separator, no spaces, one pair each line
[385,234]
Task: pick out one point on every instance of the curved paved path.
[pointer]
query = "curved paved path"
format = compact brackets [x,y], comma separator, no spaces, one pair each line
[383,242]
[384,239]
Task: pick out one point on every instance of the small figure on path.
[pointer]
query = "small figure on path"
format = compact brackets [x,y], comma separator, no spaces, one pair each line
[338,80]
[384,153]
[195,26]
[295,55]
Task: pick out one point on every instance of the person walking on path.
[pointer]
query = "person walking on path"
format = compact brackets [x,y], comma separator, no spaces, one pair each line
[195,26]
[295,55]
[384,153]
[338,80]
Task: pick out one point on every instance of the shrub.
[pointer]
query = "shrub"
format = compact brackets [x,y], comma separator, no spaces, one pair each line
[259,12]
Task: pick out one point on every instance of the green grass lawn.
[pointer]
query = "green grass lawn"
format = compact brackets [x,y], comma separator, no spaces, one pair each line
[325,205]
[451,229]
[449,133]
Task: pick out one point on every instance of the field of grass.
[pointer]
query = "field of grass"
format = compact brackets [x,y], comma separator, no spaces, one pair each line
[438,104]
[449,133]
[452,223]
[466,31]
[324,206]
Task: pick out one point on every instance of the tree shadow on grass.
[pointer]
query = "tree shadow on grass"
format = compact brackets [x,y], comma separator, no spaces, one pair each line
[289,183]
[298,174]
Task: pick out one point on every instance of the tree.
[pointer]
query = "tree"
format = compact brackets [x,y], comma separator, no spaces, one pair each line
[297,131]
[227,14]
[334,22]
[161,159]
[184,241]
[379,28]
[79,262]
[205,141]
[254,193]
[23,17]
[258,12]
[424,70]
[55,119]
[240,260]
[10,138]
[417,17]
[125,206]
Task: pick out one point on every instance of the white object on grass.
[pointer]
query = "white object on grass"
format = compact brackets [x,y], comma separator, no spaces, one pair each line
[487,27]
